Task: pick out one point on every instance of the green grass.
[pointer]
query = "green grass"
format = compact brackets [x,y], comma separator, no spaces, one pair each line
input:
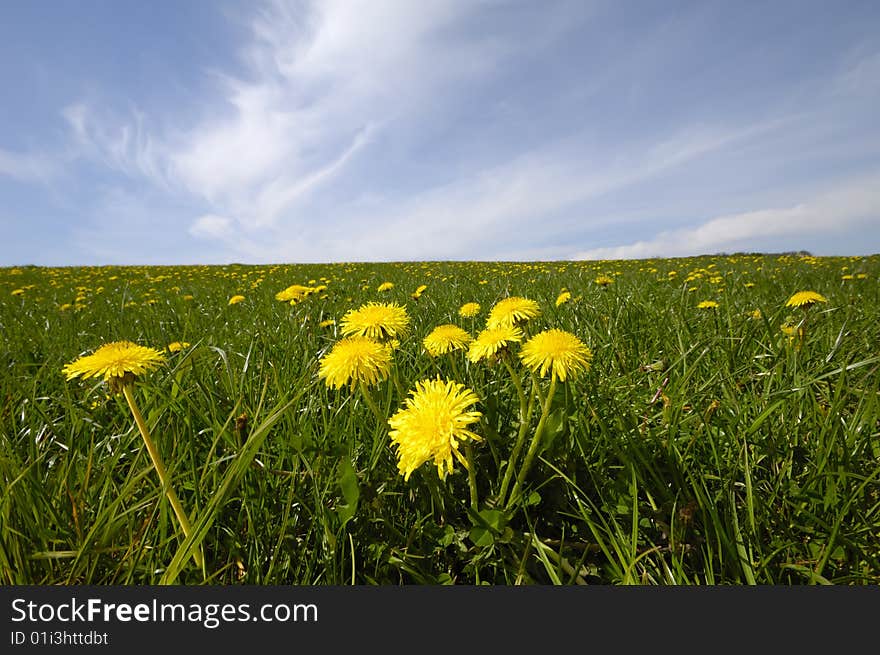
[702,446]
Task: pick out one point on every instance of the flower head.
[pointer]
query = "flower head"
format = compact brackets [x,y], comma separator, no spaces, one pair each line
[118,362]
[707,304]
[491,341]
[294,293]
[805,299]
[376,320]
[603,280]
[469,310]
[385,286]
[512,311]
[432,425]
[563,298]
[446,338]
[557,351]
[235,300]
[419,291]
[177,346]
[355,359]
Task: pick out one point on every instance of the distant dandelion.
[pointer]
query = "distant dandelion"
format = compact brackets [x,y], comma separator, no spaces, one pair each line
[805,299]
[177,346]
[707,304]
[469,310]
[512,311]
[376,320]
[445,339]
[355,359]
[294,293]
[385,286]
[328,323]
[563,298]
[236,299]
[559,352]
[603,280]
[18,292]
[433,425]
[492,341]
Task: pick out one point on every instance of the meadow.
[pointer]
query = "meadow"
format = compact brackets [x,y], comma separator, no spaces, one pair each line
[706,431]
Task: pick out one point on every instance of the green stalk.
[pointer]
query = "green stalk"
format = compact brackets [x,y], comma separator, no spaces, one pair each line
[525,416]
[533,447]
[160,469]
[472,475]
[371,402]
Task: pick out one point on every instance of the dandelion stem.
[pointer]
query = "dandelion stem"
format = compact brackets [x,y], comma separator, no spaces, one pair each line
[524,418]
[533,447]
[368,396]
[160,470]
[472,476]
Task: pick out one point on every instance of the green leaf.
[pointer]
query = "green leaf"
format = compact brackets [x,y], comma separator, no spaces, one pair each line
[348,482]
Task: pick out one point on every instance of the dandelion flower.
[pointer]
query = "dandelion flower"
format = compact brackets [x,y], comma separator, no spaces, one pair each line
[235,300]
[512,311]
[385,286]
[446,338]
[557,351]
[707,304]
[376,320]
[177,346]
[118,362]
[18,292]
[432,425]
[563,298]
[604,280]
[469,310]
[294,293]
[328,323]
[419,291]
[805,299]
[355,359]
[756,314]
[491,341]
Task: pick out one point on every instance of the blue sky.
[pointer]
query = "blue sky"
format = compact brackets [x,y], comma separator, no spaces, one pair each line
[339,130]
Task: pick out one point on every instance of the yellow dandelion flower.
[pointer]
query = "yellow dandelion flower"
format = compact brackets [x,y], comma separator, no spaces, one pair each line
[329,322]
[385,286]
[177,346]
[491,341]
[188,297]
[294,293]
[563,298]
[756,314]
[469,310]
[603,280]
[18,292]
[117,362]
[376,320]
[512,311]
[432,425]
[235,300]
[355,359]
[707,304]
[446,338]
[557,351]
[805,299]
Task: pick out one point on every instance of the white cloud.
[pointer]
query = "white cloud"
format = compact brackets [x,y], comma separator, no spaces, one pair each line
[851,204]
[27,167]
[210,226]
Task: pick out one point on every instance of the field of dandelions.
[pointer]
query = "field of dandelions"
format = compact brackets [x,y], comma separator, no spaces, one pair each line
[710,420]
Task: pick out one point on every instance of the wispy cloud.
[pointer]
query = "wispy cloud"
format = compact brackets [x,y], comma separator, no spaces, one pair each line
[854,204]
